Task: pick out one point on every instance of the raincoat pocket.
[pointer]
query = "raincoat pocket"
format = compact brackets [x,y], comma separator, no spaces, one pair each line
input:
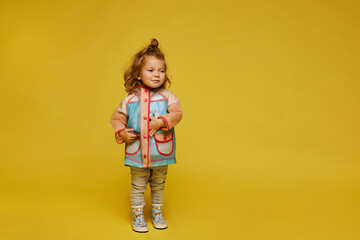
[133,148]
[164,143]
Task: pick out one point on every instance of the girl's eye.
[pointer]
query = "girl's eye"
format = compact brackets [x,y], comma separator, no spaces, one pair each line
[150,70]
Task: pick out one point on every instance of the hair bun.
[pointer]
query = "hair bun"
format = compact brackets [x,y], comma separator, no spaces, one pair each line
[154,42]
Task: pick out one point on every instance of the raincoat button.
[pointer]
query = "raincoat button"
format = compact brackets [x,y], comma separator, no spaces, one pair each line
[144,136]
[145,117]
[145,156]
[145,100]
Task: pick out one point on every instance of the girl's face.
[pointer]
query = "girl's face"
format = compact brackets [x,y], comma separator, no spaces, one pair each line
[152,74]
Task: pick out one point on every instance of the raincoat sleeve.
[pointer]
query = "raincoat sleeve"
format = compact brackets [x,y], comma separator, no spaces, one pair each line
[119,120]
[174,112]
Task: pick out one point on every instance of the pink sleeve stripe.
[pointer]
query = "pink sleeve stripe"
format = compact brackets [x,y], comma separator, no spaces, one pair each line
[129,101]
[164,96]
[167,124]
[119,130]
[119,142]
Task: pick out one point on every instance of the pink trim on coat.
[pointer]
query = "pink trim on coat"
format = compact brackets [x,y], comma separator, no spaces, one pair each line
[148,130]
[141,87]
[130,100]
[119,142]
[119,130]
[167,124]
[164,96]
[158,100]
[157,147]
[133,160]
[156,137]
[164,159]
[136,150]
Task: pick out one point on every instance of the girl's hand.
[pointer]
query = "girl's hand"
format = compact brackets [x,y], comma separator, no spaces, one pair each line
[128,137]
[154,125]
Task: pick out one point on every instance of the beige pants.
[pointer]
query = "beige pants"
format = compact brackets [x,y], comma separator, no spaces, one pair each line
[140,177]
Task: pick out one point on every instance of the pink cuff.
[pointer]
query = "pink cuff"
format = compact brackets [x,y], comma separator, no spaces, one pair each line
[166,122]
[118,131]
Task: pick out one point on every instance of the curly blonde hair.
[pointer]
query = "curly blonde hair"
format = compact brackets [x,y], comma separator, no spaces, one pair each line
[132,73]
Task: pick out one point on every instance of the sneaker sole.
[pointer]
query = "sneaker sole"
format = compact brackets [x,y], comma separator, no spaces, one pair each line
[160,226]
[140,229]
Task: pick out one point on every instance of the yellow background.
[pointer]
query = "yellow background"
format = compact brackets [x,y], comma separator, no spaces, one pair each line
[268,147]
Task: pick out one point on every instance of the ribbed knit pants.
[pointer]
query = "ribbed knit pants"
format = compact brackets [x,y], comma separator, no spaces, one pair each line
[140,177]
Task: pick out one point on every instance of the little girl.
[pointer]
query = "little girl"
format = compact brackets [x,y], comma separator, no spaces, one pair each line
[145,121]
